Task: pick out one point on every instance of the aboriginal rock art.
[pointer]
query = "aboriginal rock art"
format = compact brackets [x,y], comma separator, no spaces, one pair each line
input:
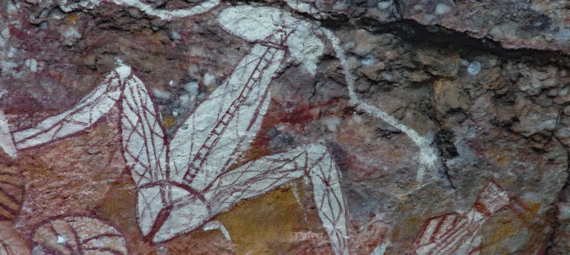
[183,183]
[460,234]
[72,121]
[11,193]
[77,119]
[302,44]
[77,235]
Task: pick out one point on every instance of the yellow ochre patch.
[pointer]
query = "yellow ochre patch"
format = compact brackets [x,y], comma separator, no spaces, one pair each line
[264,225]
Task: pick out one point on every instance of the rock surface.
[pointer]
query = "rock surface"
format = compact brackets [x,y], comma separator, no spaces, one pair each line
[295,127]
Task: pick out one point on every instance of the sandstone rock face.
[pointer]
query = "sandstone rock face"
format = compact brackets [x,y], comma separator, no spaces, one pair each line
[294,127]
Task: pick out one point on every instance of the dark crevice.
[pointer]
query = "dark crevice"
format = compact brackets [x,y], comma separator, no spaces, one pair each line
[439,37]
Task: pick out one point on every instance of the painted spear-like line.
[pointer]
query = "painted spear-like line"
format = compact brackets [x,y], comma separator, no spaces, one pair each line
[428,157]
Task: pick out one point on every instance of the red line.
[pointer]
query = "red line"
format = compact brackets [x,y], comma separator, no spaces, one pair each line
[230,113]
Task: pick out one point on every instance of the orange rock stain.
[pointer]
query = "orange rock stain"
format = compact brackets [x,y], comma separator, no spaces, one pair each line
[264,225]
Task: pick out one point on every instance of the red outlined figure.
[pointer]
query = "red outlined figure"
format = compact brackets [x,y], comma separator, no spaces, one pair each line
[459,234]
[181,185]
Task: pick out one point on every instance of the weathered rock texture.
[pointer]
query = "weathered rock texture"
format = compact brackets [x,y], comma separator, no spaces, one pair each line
[296,127]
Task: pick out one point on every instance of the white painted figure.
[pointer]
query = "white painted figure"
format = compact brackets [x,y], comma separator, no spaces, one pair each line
[72,121]
[184,183]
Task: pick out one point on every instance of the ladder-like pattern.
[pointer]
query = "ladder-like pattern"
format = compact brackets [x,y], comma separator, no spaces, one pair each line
[254,79]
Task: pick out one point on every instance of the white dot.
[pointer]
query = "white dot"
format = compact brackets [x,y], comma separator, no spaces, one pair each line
[61,240]
[384,5]
[474,68]
[442,8]
[209,79]
[368,60]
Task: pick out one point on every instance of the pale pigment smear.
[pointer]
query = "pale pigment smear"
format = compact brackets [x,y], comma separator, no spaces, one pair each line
[163,14]
[428,154]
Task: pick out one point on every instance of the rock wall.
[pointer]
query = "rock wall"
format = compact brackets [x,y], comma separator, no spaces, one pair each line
[284,127]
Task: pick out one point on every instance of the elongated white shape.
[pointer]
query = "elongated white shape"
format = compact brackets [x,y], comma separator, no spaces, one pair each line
[170,14]
[274,25]
[6,142]
[328,196]
[80,117]
[163,14]
[143,138]
[145,152]
[225,124]
[428,154]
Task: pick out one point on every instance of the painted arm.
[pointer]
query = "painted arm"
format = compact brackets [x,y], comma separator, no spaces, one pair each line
[83,115]
[77,119]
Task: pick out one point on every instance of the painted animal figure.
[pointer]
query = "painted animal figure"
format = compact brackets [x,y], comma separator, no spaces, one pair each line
[184,183]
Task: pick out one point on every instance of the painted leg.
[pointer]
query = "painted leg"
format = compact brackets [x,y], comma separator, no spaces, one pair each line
[145,152]
[328,196]
[267,173]
[77,119]
[223,126]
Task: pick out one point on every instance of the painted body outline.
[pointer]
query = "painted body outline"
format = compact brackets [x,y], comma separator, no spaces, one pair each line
[460,233]
[428,155]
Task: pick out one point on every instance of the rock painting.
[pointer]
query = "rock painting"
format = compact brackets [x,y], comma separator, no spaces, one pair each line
[184,183]
[77,235]
[185,180]
[460,233]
